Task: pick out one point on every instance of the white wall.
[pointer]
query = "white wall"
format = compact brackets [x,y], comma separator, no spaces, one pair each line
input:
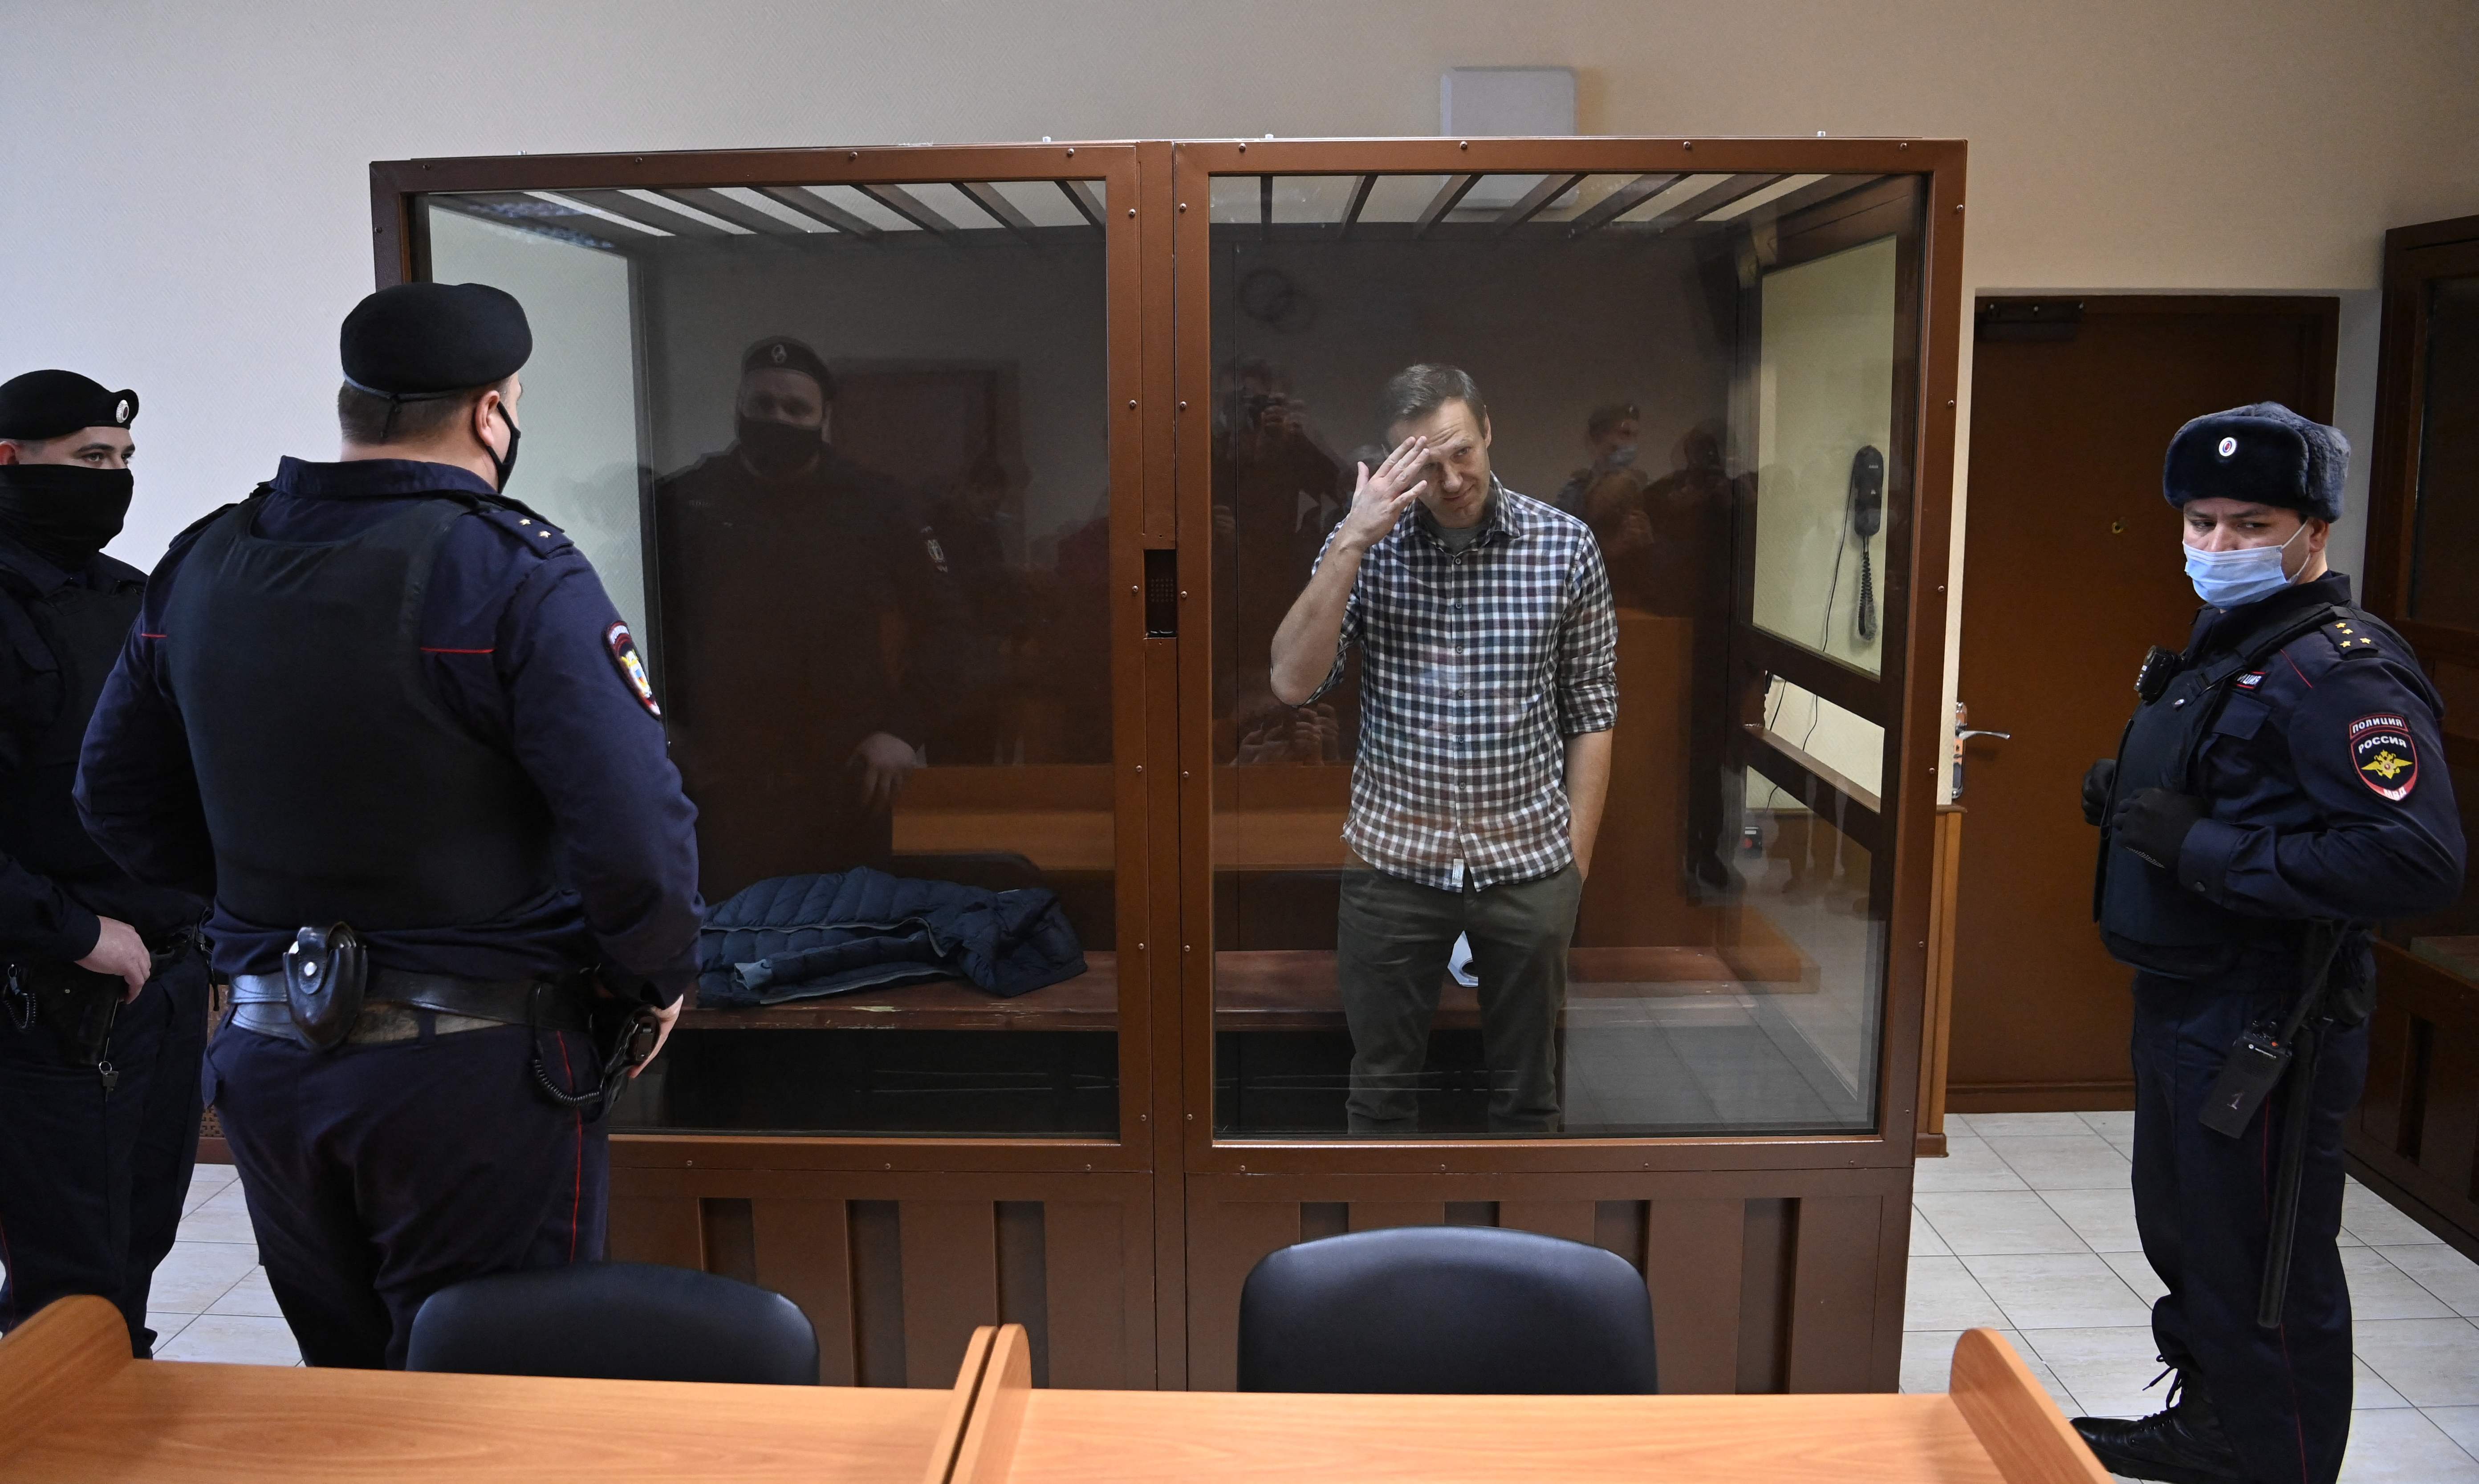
[184,201]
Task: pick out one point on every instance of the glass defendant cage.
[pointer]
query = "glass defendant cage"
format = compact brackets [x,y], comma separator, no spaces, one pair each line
[842,452]
[958,493]
[1708,369]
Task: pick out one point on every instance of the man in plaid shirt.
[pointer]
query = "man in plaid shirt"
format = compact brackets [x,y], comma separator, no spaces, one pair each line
[1489,648]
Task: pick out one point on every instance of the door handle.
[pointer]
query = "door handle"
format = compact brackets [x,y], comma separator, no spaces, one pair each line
[1961,735]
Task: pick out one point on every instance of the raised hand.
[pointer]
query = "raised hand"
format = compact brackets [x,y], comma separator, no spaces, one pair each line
[1380,497]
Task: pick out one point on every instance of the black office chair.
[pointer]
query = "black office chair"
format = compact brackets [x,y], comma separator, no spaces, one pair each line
[615,1322]
[1454,1310]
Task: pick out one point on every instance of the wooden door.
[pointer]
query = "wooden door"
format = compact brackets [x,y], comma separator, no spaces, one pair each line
[2071,569]
[2416,1135]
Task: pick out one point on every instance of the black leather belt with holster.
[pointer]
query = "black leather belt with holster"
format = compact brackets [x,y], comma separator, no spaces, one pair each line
[392,998]
[328,995]
[79,1006]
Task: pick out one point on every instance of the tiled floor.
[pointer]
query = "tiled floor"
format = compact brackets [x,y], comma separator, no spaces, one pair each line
[210,1301]
[2027,1227]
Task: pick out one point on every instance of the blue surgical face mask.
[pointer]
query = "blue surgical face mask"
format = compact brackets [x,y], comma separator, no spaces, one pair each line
[2225,579]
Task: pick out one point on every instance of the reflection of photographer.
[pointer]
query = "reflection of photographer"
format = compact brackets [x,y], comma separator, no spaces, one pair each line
[1269,732]
[1610,432]
[1276,494]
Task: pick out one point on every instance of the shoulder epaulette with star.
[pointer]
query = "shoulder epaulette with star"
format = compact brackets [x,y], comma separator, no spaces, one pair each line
[2349,638]
[534,533]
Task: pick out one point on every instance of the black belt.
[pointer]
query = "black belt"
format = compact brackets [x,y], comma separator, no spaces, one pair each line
[259,1001]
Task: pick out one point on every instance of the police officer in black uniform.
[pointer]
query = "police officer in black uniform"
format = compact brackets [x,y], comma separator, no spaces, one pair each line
[809,633]
[104,1010]
[2282,786]
[387,716]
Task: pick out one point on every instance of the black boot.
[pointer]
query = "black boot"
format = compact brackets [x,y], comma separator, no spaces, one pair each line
[2180,1445]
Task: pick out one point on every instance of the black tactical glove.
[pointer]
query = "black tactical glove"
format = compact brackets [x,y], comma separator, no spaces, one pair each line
[2097,782]
[2153,823]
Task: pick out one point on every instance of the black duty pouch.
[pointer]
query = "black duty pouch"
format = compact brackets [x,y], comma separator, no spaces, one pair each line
[324,974]
[76,1005]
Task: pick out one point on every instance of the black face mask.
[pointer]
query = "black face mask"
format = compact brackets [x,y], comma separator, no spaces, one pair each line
[777,450]
[503,465]
[64,513]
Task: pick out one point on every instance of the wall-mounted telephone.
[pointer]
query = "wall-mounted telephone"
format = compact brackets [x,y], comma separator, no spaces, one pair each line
[1867,518]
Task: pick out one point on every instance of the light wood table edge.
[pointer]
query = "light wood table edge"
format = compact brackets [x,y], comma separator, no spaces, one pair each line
[2024,1433]
[988,1448]
[960,1400]
[72,1346]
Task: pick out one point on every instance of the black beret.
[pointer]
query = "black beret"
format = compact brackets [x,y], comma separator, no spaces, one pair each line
[781,352]
[56,403]
[419,340]
[2262,453]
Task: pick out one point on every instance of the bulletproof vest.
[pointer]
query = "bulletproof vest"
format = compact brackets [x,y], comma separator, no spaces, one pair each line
[79,632]
[336,786]
[2149,918]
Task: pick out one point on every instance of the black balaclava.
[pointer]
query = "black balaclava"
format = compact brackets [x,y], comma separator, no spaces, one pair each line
[64,513]
[778,450]
[775,449]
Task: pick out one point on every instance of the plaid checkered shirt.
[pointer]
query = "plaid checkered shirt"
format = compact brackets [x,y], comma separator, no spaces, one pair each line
[1475,667]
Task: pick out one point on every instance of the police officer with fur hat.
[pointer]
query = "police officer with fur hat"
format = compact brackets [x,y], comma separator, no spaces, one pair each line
[103,1009]
[2281,787]
[386,716]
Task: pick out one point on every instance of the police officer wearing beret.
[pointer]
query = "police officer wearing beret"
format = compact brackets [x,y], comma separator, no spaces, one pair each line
[2281,787]
[387,717]
[103,1010]
[810,632]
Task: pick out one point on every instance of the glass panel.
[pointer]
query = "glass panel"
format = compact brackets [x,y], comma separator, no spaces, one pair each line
[1043,203]
[868,208]
[580,406]
[2444,582]
[1808,932]
[876,605]
[1843,741]
[1825,386]
[1721,969]
[1402,199]
[1669,198]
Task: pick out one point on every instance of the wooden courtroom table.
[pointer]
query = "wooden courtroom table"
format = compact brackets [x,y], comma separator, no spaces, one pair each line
[1996,1426]
[74,1406]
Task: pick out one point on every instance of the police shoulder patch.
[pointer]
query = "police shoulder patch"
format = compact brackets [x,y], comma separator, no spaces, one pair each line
[2381,751]
[633,669]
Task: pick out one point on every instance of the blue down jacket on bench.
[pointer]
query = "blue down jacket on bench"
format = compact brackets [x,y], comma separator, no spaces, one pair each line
[798,938]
